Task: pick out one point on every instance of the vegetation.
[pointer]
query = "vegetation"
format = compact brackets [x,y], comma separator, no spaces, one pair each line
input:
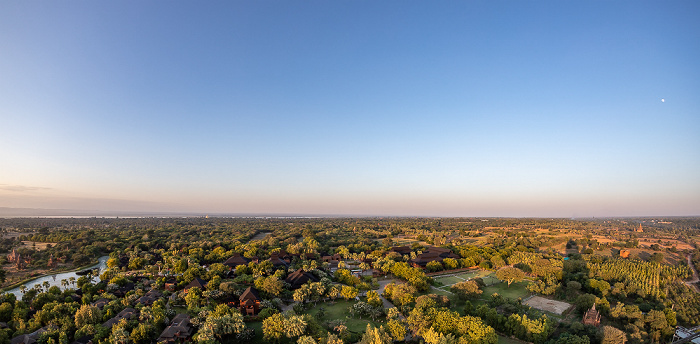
[641,298]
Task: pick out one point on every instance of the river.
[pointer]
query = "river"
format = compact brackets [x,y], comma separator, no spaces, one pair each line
[55,280]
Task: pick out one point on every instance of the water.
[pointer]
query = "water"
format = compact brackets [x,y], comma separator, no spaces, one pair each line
[55,280]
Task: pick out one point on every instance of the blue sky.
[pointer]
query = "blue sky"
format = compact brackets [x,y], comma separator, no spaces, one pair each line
[473,108]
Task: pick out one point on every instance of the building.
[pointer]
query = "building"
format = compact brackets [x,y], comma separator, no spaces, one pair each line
[278,261]
[432,254]
[236,260]
[196,282]
[297,278]
[249,302]
[101,303]
[127,314]
[592,317]
[30,338]
[52,263]
[17,259]
[402,250]
[179,331]
[150,297]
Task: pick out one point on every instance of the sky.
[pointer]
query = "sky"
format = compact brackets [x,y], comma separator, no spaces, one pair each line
[388,108]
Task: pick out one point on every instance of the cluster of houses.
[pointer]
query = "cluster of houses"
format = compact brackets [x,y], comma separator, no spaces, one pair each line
[432,254]
[249,302]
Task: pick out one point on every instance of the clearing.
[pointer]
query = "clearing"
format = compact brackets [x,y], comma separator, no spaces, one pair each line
[552,306]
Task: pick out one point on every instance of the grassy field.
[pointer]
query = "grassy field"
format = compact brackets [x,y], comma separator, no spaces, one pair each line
[442,292]
[473,274]
[450,280]
[515,291]
[490,280]
[339,310]
[257,326]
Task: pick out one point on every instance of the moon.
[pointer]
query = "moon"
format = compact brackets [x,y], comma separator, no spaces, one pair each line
[663,100]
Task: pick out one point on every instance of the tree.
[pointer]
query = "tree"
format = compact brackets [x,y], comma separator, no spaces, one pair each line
[510,274]
[466,290]
[375,335]
[306,340]
[397,329]
[584,302]
[87,314]
[348,292]
[272,285]
[302,294]
[273,328]
[433,266]
[373,298]
[611,335]
[568,338]
[193,298]
[142,333]
[403,294]
[450,263]
[294,326]
[217,327]
[333,339]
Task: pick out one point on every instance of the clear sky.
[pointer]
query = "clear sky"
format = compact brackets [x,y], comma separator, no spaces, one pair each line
[448,108]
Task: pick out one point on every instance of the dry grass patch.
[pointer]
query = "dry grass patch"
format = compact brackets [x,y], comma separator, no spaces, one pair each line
[552,306]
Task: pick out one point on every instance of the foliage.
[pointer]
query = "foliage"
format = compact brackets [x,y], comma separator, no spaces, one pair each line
[466,290]
[510,274]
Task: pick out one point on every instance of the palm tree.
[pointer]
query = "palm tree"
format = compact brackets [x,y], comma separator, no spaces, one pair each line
[23,288]
[64,283]
[71,280]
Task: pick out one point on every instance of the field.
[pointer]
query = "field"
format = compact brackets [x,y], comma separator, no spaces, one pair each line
[339,311]
[493,284]
[39,246]
[515,291]
[552,306]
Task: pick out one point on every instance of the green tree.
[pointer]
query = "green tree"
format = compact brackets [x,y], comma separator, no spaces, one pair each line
[466,290]
[375,335]
[217,327]
[87,314]
[306,340]
[294,326]
[397,329]
[611,335]
[510,274]
[568,338]
[273,328]
[348,292]
[142,333]
[373,298]
[433,266]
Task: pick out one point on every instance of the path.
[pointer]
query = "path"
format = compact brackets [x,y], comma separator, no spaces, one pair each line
[692,282]
[382,284]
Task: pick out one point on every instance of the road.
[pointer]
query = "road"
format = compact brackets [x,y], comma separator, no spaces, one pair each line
[382,285]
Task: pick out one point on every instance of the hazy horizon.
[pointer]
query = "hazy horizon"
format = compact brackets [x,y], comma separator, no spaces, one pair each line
[458,109]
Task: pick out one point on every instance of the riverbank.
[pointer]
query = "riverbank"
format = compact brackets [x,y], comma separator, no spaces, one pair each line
[53,273]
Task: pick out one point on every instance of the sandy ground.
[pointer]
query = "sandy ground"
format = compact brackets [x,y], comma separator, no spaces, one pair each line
[39,246]
[556,307]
